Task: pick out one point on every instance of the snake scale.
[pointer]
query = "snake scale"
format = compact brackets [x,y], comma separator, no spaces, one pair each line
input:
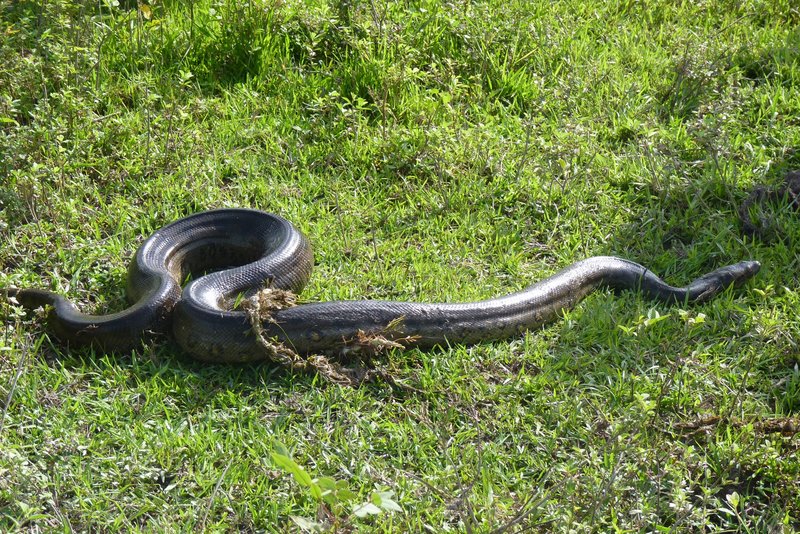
[253,249]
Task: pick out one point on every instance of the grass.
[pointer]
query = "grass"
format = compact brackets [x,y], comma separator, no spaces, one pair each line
[430,151]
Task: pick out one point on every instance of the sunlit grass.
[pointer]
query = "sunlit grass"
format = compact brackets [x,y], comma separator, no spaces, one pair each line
[430,151]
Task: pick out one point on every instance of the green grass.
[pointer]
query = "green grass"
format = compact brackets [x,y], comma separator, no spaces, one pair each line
[430,151]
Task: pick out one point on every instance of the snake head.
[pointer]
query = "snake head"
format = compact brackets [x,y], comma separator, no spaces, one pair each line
[738,273]
[717,281]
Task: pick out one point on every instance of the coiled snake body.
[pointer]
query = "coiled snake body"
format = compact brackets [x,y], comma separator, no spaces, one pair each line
[266,249]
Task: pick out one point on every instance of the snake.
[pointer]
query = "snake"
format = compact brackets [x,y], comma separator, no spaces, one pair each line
[231,254]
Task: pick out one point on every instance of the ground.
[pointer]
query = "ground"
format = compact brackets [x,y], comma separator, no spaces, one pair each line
[431,151]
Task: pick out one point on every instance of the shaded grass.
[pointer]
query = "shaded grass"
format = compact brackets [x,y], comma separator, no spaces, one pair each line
[430,152]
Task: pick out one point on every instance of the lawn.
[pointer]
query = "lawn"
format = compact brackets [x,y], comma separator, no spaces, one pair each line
[430,151]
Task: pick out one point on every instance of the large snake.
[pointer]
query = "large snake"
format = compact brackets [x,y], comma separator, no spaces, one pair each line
[255,249]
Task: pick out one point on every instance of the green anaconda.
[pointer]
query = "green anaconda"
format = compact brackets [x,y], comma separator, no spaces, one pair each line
[265,249]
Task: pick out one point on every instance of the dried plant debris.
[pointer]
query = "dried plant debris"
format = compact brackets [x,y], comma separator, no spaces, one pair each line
[786,426]
[268,301]
[359,352]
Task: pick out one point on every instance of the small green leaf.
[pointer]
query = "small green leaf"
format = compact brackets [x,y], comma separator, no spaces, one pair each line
[345,494]
[726,511]
[385,501]
[391,506]
[327,483]
[329,497]
[287,464]
[307,524]
[627,329]
[302,478]
[282,461]
[280,448]
[654,318]
[365,509]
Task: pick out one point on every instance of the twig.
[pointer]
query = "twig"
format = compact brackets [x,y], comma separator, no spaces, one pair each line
[214,495]
[7,403]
